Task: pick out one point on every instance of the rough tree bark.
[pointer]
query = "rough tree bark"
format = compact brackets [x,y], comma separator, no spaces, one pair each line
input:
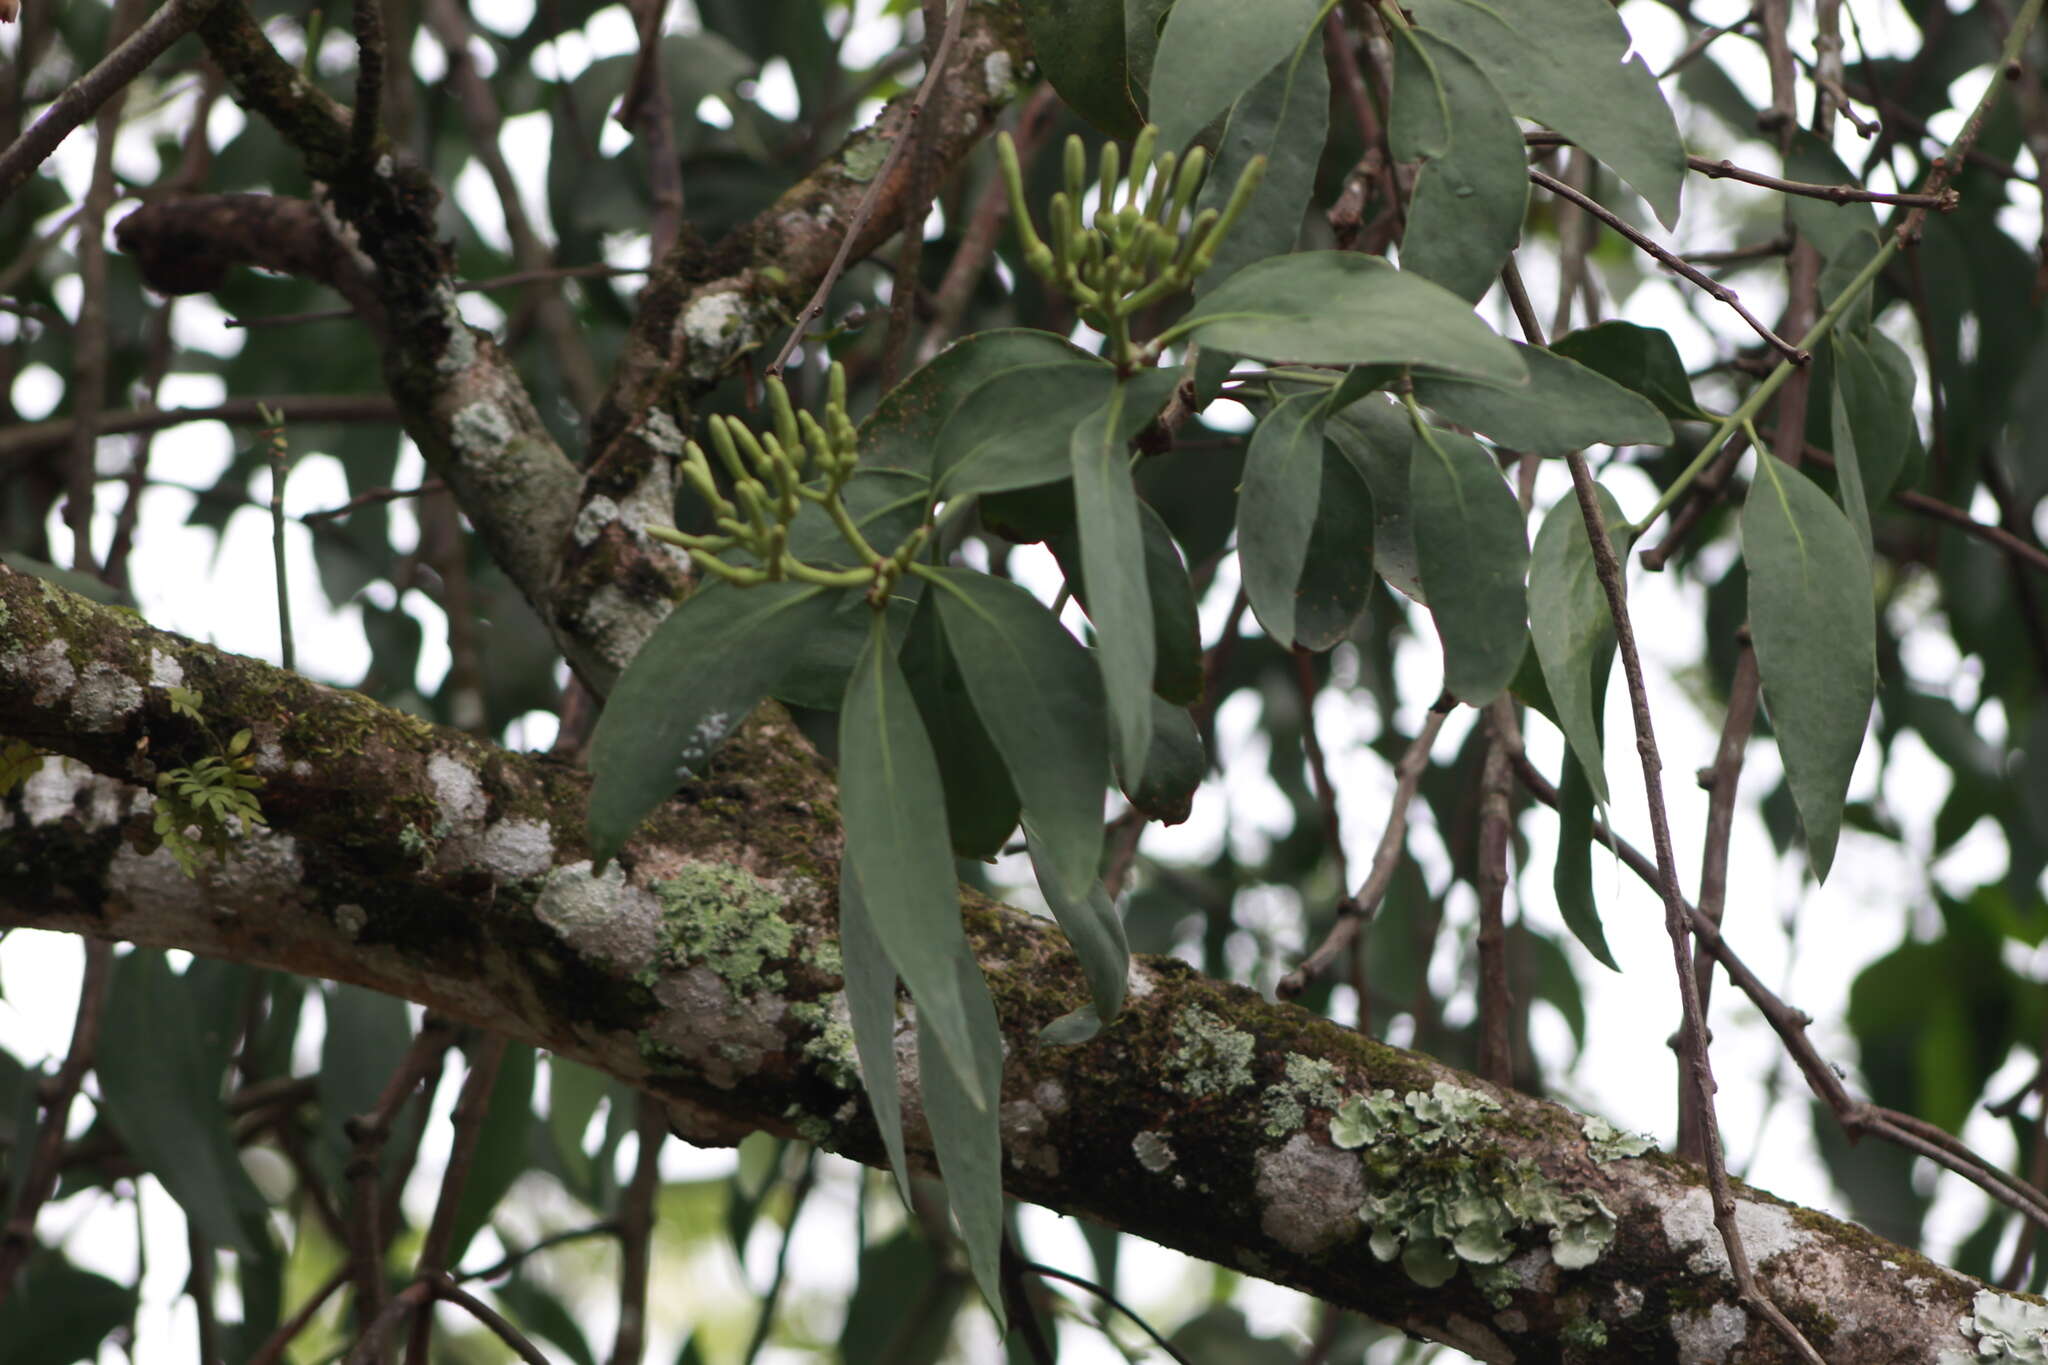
[702,967]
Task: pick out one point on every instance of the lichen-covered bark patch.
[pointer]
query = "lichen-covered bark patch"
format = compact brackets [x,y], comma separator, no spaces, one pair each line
[1307,1194]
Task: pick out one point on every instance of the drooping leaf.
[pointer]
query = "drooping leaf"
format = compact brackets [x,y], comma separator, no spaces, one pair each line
[162,1097]
[1565,63]
[367,1033]
[1336,582]
[1642,359]
[965,1137]
[1211,51]
[1013,430]
[1812,621]
[1276,509]
[871,1009]
[904,1303]
[1572,879]
[1876,382]
[1113,556]
[903,430]
[1092,927]
[1079,45]
[1285,118]
[1176,627]
[1564,407]
[1342,308]
[1571,626]
[501,1147]
[1848,462]
[1377,438]
[981,799]
[894,811]
[1039,696]
[1472,188]
[1175,765]
[1474,553]
[696,679]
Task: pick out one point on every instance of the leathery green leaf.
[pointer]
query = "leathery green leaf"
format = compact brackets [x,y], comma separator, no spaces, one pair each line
[1092,926]
[1876,383]
[1176,626]
[1276,509]
[1013,430]
[871,1008]
[1039,697]
[1473,552]
[1113,557]
[1572,879]
[1175,764]
[1079,45]
[894,812]
[1571,626]
[981,802]
[1211,51]
[1848,462]
[1336,582]
[1376,438]
[1811,617]
[1641,359]
[1472,188]
[1342,308]
[964,1133]
[696,679]
[1563,407]
[1561,62]
[1284,117]
[903,430]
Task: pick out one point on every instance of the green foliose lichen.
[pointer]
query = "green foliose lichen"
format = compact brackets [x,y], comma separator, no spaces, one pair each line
[1213,1058]
[2006,1330]
[1440,1199]
[829,1044]
[1311,1083]
[1610,1143]
[728,919]
[1588,1333]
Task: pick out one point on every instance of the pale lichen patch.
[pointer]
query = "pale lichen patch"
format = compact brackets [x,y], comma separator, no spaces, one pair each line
[726,917]
[47,667]
[351,919]
[458,794]
[605,918]
[513,850]
[481,430]
[595,515]
[1609,1143]
[1708,1337]
[165,670]
[1153,1151]
[1767,1230]
[1306,1193]
[828,1043]
[2004,1329]
[703,1026]
[1024,1127]
[1213,1058]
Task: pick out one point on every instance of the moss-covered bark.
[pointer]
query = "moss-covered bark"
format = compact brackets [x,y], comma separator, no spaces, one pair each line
[703,967]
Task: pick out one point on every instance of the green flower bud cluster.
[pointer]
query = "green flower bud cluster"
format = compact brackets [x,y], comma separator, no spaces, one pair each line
[1135,251]
[773,475]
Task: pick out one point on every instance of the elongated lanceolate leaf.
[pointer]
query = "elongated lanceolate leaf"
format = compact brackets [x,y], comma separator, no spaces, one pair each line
[1091,925]
[903,430]
[1571,626]
[1211,51]
[871,1008]
[1039,696]
[1641,359]
[1175,764]
[1572,879]
[1341,308]
[1113,556]
[1276,509]
[1848,463]
[1285,118]
[1473,553]
[1563,407]
[1811,618]
[1876,382]
[698,676]
[1472,188]
[965,1137]
[1561,62]
[981,802]
[895,817]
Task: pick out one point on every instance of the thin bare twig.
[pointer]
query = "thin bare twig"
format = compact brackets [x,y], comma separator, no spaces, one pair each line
[445,1289]
[280,1341]
[636,1231]
[367,115]
[371,496]
[468,1121]
[85,95]
[1943,202]
[647,113]
[1354,913]
[43,1161]
[912,114]
[1671,261]
[1099,1292]
[773,1297]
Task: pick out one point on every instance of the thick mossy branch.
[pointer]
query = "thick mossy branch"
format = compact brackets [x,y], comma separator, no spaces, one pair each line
[703,966]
